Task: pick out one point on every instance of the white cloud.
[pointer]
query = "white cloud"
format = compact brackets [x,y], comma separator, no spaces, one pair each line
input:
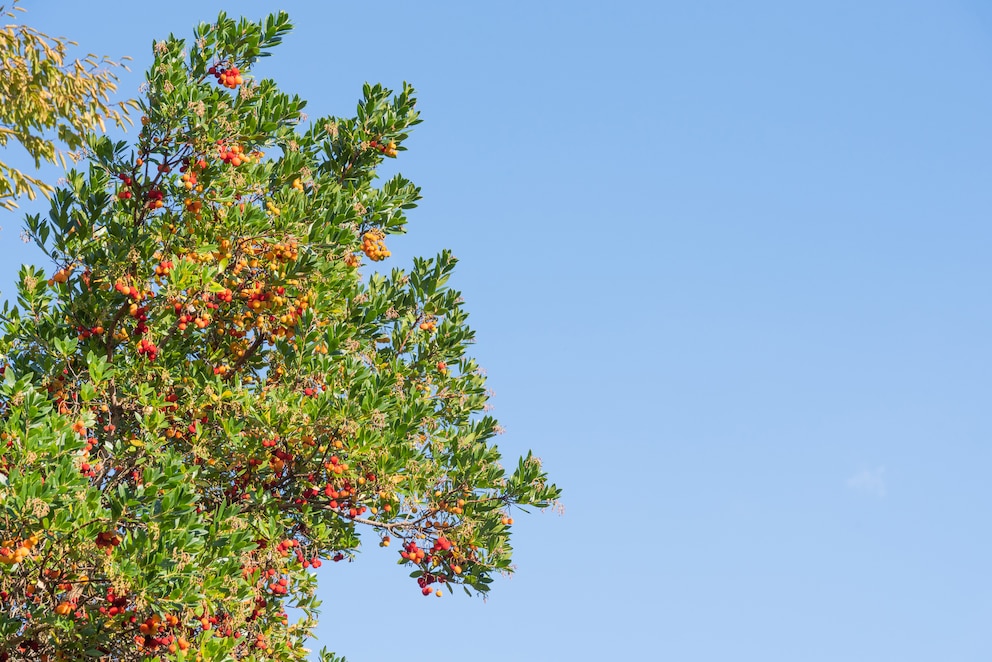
[869,481]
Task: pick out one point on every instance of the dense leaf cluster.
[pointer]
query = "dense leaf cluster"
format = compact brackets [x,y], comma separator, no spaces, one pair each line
[48,99]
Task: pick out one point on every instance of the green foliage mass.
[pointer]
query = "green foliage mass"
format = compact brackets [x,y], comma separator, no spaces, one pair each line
[206,397]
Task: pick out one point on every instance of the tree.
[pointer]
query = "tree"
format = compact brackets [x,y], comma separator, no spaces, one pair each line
[209,396]
[46,100]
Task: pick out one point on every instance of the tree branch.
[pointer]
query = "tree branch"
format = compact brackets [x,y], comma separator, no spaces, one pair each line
[259,339]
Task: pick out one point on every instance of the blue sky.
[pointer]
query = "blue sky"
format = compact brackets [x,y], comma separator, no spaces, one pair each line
[728,264]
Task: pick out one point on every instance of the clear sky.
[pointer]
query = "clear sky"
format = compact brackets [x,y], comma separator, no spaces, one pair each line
[728,263]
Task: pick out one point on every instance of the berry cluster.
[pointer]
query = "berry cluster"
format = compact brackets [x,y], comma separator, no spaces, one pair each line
[201,322]
[235,154]
[148,348]
[279,460]
[11,552]
[61,276]
[155,199]
[388,149]
[139,313]
[83,332]
[189,180]
[154,633]
[283,251]
[65,608]
[411,552]
[229,77]
[279,587]
[374,246]
[336,466]
[425,580]
[439,564]
[108,540]
[124,194]
[127,290]
[284,546]
[118,603]
[164,267]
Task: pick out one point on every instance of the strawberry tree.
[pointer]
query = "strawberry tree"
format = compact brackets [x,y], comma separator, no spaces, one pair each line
[209,394]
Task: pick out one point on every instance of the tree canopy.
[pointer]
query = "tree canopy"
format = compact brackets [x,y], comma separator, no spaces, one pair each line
[209,393]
